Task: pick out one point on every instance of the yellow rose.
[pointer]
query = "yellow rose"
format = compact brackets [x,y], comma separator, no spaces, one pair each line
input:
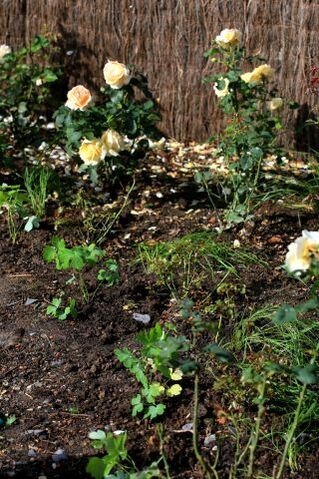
[228,37]
[4,50]
[225,91]
[78,98]
[116,74]
[275,104]
[301,251]
[113,142]
[92,152]
[263,72]
[246,77]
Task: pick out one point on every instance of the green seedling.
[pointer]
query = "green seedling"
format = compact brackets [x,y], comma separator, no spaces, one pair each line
[76,259]
[160,355]
[116,457]
[110,276]
[55,309]
[13,201]
[36,183]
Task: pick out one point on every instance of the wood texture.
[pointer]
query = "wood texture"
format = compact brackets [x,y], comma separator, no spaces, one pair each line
[166,39]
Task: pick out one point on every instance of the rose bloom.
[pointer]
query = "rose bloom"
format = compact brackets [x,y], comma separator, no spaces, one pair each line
[116,74]
[228,37]
[246,77]
[4,50]
[225,91]
[92,152]
[113,142]
[263,72]
[275,104]
[78,98]
[301,251]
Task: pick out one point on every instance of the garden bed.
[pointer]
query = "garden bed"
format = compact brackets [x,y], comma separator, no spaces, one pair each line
[62,380]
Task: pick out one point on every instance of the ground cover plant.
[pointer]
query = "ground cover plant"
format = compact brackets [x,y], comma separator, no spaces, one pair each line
[158,319]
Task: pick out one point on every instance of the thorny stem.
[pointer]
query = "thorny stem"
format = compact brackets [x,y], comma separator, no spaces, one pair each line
[195,429]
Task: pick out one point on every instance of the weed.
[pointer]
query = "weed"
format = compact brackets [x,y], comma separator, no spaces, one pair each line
[187,262]
[117,456]
[37,182]
[160,354]
[13,200]
[75,259]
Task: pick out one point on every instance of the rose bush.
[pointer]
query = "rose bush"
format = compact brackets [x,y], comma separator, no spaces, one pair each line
[249,100]
[26,83]
[104,134]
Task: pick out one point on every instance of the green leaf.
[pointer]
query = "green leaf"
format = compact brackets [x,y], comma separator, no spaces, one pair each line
[220,353]
[96,467]
[98,435]
[285,314]
[49,253]
[308,374]
[154,411]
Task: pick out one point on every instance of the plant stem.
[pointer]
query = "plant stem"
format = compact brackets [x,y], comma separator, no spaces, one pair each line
[83,288]
[116,216]
[195,429]
[291,432]
[294,425]
[160,433]
[256,433]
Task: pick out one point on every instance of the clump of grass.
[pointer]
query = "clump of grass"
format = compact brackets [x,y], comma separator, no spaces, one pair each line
[37,182]
[185,263]
[291,341]
[261,340]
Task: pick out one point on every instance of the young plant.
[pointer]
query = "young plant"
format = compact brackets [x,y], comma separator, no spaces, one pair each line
[37,184]
[159,356]
[76,259]
[13,200]
[102,136]
[57,312]
[116,457]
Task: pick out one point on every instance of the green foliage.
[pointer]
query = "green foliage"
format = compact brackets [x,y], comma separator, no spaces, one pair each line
[160,354]
[185,263]
[71,258]
[55,309]
[117,110]
[26,85]
[252,126]
[110,273]
[37,185]
[99,468]
[13,200]
[76,259]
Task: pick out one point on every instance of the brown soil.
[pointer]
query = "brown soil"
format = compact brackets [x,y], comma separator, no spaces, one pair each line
[62,380]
